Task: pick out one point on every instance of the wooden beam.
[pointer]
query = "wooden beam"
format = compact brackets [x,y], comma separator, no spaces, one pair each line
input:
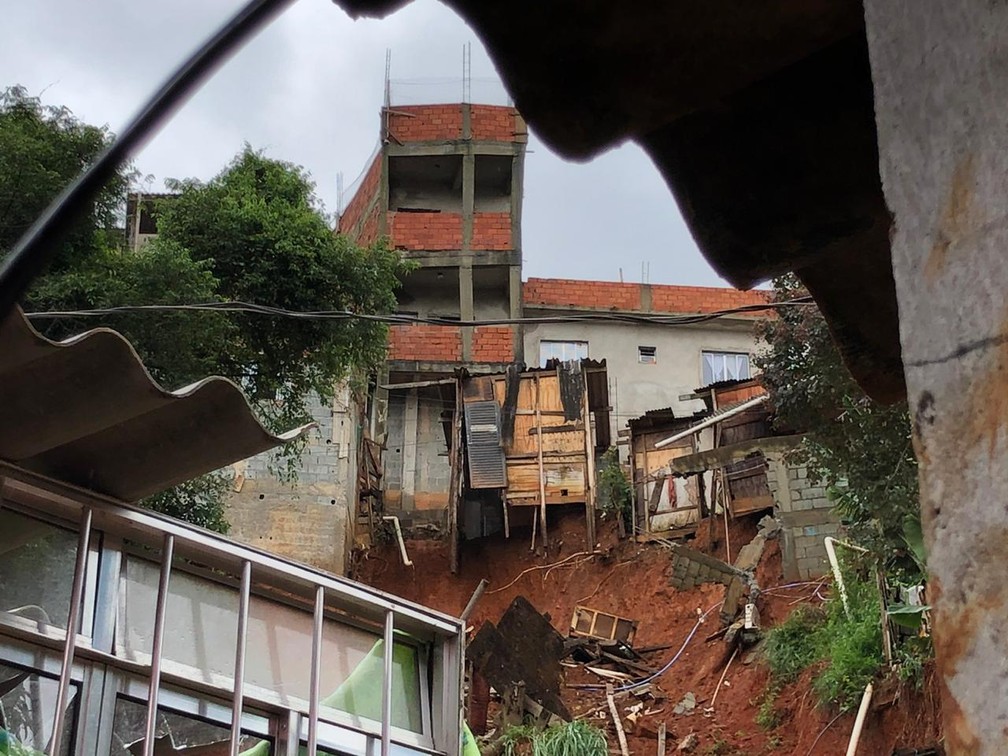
[418,384]
[567,428]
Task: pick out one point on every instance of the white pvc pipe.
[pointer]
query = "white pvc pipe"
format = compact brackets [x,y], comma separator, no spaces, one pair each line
[398,534]
[837,575]
[712,420]
[860,720]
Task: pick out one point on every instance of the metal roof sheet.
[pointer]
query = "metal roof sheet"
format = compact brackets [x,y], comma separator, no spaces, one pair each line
[86,411]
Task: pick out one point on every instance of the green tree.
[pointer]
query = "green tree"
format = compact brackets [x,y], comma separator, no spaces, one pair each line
[42,149]
[860,449]
[255,233]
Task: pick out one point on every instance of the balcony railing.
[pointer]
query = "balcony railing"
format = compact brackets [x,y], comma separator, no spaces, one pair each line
[183,634]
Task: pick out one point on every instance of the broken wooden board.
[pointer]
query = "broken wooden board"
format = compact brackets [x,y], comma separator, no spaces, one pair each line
[592,623]
[522,647]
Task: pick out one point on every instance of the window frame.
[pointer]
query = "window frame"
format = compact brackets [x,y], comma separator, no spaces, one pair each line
[563,343]
[643,358]
[723,354]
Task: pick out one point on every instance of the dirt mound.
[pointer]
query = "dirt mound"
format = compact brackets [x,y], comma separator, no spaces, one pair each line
[632,580]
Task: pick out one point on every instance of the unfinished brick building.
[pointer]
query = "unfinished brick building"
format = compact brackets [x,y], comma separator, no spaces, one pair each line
[446,190]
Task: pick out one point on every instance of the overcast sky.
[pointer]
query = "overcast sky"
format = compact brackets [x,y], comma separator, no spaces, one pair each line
[309,90]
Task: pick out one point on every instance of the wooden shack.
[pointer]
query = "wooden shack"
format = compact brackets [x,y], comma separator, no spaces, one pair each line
[530,440]
[664,504]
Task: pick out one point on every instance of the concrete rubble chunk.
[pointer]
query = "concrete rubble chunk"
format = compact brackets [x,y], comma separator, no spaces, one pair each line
[689,743]
[687,705]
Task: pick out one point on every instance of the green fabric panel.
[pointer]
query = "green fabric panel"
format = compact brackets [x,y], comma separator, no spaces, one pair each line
[361,692]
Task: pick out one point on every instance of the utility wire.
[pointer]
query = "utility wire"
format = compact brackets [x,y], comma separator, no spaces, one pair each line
[394,319]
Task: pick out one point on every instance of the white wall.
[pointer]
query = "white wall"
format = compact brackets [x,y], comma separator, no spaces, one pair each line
[635,388]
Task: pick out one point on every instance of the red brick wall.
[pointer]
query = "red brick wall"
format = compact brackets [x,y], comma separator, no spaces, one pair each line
[358,204]
[599,295]
[425,342]
[425,123]
[612,295]
[493,344]
[493,122]
[426,230]
[702,299]
[491,231]
[369,228]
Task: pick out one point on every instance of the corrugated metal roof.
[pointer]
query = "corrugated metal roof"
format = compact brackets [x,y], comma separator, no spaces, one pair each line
[86,411]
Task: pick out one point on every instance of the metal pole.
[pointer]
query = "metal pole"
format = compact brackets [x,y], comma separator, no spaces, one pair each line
[386,724]
[469,607]
[316,671]
[73,617]
[239,666]
[167,552]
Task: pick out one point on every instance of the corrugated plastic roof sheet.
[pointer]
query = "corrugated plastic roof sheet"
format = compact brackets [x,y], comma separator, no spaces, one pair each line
[86,411]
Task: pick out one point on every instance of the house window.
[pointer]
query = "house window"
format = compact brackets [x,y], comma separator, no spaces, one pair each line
[562,350]
[647,355]
[724,366]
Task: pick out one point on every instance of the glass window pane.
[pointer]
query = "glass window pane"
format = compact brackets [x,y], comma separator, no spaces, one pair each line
[724,366]
[200,644]
[36,569]
[27,710]
[563,351]
[176,732]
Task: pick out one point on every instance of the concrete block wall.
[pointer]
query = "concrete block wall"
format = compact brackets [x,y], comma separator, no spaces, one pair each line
[415,461]
[309,520]
[690,568]
[806,516]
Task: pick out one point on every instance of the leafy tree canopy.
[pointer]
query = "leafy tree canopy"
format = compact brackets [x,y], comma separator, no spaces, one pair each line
[255,233]
[42,149]
[860,449]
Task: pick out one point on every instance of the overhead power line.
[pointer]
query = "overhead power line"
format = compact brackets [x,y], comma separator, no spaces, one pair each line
[394,319]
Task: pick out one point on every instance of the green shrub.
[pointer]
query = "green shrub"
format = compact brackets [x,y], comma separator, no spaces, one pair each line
[575,738]
[848,646]
[794,645]
[613,489]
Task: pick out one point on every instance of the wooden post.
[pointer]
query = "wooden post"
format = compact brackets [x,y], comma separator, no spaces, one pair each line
[542,472]
[590,471]
[624,749]
[644,478]
[661,739]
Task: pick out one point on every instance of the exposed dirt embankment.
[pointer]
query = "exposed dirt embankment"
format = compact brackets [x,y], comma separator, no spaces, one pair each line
[632,581]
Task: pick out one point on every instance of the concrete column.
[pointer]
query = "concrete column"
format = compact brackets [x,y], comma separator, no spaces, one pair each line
[940,75]
[517,184]
[466,305]
[515,310]
[409,450]
[468,198]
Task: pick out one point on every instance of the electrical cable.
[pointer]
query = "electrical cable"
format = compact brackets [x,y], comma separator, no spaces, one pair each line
[28,257]
[394,319]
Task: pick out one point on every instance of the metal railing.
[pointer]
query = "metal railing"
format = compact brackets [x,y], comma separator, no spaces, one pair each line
[333,599]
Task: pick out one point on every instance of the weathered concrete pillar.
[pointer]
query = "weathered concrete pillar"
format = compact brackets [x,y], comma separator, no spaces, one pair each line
[940,72]
[409,448]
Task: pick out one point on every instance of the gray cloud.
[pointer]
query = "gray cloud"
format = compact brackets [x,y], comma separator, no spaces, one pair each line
[309,90]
